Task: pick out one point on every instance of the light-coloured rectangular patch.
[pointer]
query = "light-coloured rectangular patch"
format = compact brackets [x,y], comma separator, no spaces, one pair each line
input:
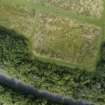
[67,40]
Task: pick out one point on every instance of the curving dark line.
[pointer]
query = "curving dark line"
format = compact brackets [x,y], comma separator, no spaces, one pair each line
[29,90]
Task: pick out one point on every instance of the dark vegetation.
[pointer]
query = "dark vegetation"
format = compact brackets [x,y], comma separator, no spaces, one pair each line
[25,90]
[13,49]
[15,53]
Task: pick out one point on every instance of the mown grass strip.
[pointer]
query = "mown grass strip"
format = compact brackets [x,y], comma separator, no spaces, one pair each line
[72,15]
[29,5]
[86,8]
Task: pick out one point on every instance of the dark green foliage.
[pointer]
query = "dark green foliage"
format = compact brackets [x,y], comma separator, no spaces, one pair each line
[13,47]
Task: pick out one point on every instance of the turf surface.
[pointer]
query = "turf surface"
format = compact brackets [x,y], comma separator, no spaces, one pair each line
[70,41]
[84,7]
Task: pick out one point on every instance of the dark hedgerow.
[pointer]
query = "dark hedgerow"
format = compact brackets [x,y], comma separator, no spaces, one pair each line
[13,47]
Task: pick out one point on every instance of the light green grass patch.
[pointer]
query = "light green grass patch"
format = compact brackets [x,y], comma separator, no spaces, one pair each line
[17,19]
[66,40]
[84,7]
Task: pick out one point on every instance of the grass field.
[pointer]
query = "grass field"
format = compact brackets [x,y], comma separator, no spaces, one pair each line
[65,40]
[58,38]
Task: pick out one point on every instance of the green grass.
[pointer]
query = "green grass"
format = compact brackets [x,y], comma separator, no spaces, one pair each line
[17,60]
[18,19]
